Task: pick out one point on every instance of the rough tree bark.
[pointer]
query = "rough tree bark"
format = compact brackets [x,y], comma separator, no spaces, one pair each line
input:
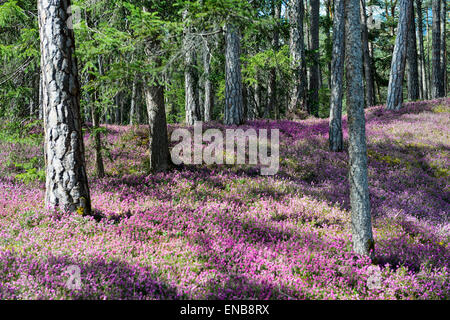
[337,75]
[314,74]
[395,88]
[158,140]
[412,61]
[234,104]
[297,53]
[209,94]
[368,74]
[133,102]
[436,51]
[443,49]
[272,106]
[66,179]
[422,62]
[190,77]
[362,237]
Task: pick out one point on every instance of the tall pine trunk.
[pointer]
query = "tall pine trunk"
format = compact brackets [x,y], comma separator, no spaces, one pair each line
[443,49]
[422,57]
[234,104]
[66,179]
[395,88]
[297,53]
[272,89]
[191,78]
[209,94]
[362,237]
[368,74]
[314,70]
[436,51]
[413,69]
[337,75]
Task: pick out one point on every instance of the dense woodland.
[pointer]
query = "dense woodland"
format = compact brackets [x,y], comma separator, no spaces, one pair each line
[71,68]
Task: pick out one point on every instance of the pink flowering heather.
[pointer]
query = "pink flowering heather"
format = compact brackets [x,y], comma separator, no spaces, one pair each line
[225,232]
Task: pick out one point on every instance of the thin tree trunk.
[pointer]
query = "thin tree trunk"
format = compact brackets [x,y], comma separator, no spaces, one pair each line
[436,44]
[443,49]
[192,105]
[395,89]
[272,88]
[413,71]
[133,102]
[297,53]
[362,237]
[422,58]
[368,74]
[234,104]
[314,69]
[66,179]
[337,75]
[209,95]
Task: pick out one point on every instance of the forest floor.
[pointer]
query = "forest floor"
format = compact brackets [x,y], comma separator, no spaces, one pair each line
[226,232]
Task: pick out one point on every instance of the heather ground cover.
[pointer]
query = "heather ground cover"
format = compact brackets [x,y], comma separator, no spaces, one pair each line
[225,232]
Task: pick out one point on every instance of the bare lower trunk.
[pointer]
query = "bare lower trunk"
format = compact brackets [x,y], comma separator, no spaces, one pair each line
[209,96]
[413,69]
[443,49]
[158,140]
[337,75]
[234,104]
[191,78]
[436,43]
[66,179]
[133,103]
[297,53]
[395,89]
[362,237]
[422,61]
[314,70]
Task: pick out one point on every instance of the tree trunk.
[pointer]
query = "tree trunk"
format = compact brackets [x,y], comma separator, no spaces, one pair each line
[133,102]
[362,237]
[297,53]
[422,61]
[158,140]
[66,179]
[413,70]
[191,78]
[443,49]
[209,95]
[314,70]
[272,88]
[395,89]
[234,104]
[436,44]
[337,75]
[97,140]
[368,74]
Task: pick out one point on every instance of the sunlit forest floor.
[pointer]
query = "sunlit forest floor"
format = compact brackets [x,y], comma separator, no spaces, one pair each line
[226,232]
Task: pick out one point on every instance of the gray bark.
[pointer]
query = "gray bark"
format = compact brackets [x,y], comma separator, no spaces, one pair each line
[368,72]
[272,106]
[234,104]
[158,140]
[297,53]
[314,69]
[436,51]
[443,50]
[337,75]
[412,60]
[422,61]
[192,104]
[362,237]
[395,89]
[66,179]
[133,102]
[209,94]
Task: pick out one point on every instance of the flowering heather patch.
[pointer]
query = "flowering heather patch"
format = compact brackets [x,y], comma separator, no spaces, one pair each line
[225,232]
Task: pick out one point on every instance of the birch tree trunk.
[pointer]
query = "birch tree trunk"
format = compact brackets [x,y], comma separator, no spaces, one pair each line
[362,237]
[337,75]
[395,88]
[297,53]
[234,104]
[413,69]
[66,179]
